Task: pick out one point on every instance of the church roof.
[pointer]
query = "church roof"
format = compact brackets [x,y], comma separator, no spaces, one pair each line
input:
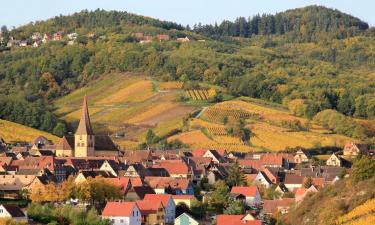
[84,127]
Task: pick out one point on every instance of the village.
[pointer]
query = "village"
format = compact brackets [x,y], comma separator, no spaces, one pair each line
[37,39]
[165,186]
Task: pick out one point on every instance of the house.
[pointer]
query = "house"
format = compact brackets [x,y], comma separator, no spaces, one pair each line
[277,206]
[122,213]
[301,192]
[334,160]
[185,219]
[281,188]
[58,36]
[139,156]
[72,36]
[13,212]
[301,156]
[293,181]
[123,183]
[175,168]
[46,37]
[85,143]
[36,36]
[215,156]
[251,193]
[84,175]
[178,186]
[152,211]
[135,171]
[185,39]
[272,174]
[352,149]
[183,199]
[137,193]
[163,37]
[262,179]
[237,220]
[168,203]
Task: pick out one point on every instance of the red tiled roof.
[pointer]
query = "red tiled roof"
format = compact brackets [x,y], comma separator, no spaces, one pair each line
[121,182]
[199,152]
[136,182]
[186,197]
[172,166]
[164,198]
[246,191]
[164,182]
[35,163]
[119,209]
[272,159]
[149,206]
[253,163]
[235,220]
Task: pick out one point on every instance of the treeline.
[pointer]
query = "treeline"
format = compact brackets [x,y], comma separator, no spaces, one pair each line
[305,24]
[33,114]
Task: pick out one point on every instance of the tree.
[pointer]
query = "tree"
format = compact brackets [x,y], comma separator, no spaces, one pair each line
[363,168]
[219,198]
[96,190]
[235,208]
[236,176]
[198,209]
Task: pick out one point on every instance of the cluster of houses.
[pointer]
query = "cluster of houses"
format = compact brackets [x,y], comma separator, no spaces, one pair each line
[142,38]
[155,182]
[37,39]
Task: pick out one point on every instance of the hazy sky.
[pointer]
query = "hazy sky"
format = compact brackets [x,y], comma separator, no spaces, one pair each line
[19,12]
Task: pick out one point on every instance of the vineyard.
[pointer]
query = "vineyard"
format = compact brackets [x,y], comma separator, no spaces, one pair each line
[200,95]
[10,131]
[219,112]
[361,215]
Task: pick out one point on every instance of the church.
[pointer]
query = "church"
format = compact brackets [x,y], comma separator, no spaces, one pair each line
[85,143]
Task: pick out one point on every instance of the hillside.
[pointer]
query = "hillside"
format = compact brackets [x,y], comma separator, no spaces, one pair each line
[269,125]
[348,201]
[126,104]
[329,72]
[13,132]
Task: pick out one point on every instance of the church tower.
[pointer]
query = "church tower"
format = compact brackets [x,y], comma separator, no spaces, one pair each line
[84,138]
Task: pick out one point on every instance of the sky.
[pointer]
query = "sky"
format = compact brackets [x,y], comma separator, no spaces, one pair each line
[20,12]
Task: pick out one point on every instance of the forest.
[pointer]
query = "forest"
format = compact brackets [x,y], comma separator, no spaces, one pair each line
[310,59]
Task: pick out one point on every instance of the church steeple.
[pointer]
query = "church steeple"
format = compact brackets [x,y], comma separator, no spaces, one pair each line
[84,127]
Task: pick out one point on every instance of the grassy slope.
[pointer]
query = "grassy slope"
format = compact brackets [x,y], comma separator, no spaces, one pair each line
[10,131]
[335,204]
[126,103]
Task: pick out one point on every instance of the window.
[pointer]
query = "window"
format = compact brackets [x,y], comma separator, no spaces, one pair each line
[121,221]
[1,211]
[80,137]
[133,213]
[137,213]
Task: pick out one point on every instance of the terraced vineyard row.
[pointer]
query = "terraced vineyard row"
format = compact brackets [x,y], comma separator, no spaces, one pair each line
[217,114]
[214,129]
[200,95]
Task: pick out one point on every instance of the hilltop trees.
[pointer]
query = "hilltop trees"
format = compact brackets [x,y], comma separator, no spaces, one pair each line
[305,24]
